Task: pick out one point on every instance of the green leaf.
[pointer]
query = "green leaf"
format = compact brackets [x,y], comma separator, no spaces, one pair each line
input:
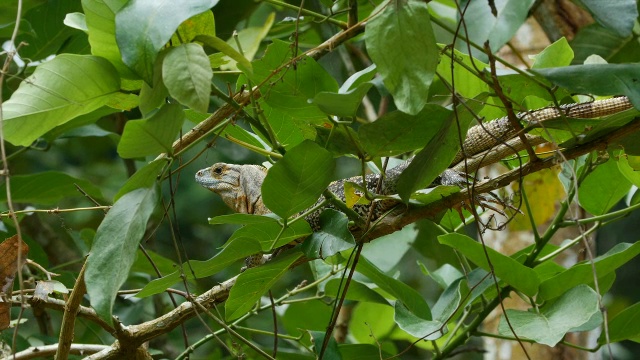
[618,16]
[270,234]
[101,23]
[357,292]
[347,100]
[144,27]
[445,275]
[387,252]
[401,291]
[291,88]
[598,79]
[289,129]
[49,34]
[398,38]
[143,178]
[331,352]
[595,39]
[395,132]
[555,55]
[442,311]
[187,75]
[340,139]
[309,315]
[415,326]
[482,25]
[333,236]
[505,268]
[241,219]
[624,326]
[153,97]
[76,21]
[582,273]
[370,322]
[233,251]
[58,91]
[157,263]
[47,188]
[157,286]
[603,188]
[223,47]
[296,181]
[627,171]
[463,65]
[201,24]
[114,247]
[250,39]
[343,105]
[153,135]
[548,326]
[362,352]
[254,282]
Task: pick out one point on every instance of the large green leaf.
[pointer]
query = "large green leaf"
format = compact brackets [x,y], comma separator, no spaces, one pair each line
[233,251]
[505,268]
[201,24]
[270,233]
[58,91]
[143,27]
[357,292]
[400,38]
[114,247]
[624,326]
[145,177]
[396,288]
[482,25]
[48,34]
[187,75]
[549,324]
[618,16]
[333,236]
[153,135]
[296,181]
[250,39]
[254,282]
[47,188]
[598,40]
[557,54]
[463,66]
[348,98]
[443,310]
[603,188]
[225,48]
[291,88]
[582,273]
[598,79]
[101,23]
[396,132]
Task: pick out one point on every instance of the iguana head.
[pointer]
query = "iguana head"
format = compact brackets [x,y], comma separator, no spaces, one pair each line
[238,185]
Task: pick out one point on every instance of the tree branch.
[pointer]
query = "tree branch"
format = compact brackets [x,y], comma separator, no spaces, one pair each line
[131,337]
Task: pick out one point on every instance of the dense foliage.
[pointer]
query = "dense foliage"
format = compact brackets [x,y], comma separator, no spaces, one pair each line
[109,107]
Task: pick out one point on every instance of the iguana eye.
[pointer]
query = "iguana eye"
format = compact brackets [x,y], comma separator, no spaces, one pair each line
[217,170]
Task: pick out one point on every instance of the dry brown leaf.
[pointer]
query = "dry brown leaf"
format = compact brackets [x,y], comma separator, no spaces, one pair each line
[9,250]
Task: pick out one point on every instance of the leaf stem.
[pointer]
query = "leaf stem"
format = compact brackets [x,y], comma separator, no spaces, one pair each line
[321,17]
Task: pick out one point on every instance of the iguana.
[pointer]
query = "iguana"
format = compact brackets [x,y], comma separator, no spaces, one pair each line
[239,185]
